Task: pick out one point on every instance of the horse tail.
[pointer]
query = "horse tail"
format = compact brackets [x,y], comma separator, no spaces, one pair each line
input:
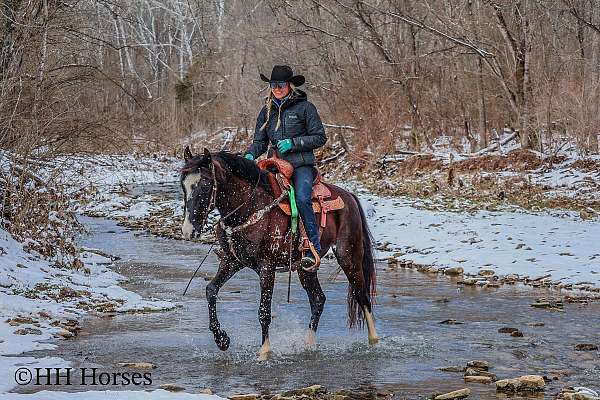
[369,290]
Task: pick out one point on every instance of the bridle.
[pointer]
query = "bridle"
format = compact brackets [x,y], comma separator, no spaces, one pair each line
[213,195]
[213,199]
[229,231]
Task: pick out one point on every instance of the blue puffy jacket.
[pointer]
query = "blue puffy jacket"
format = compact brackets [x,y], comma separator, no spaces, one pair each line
[300,122]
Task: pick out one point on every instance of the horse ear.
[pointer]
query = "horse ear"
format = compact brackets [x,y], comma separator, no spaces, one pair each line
[206,154]
[187,153]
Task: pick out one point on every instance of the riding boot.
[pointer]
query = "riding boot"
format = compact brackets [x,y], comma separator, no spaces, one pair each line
[312,231]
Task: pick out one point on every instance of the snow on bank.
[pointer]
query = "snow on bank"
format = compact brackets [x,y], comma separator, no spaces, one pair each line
[527,244]
[102,180]
[566,180]
[128,206]
[40,301]
[105,171]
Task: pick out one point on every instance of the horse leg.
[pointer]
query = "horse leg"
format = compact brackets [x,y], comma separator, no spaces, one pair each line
[267,281]
[373,337]
[316,298]
[358,290]
[350,257]
[226,271]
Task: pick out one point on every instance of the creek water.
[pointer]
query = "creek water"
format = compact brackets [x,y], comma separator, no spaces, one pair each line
[409,309]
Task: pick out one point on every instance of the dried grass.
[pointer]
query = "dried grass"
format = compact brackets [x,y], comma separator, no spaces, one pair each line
[587,165]
[516,160]
[37,213]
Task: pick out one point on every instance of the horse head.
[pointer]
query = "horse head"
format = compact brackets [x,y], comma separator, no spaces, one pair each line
[199,185]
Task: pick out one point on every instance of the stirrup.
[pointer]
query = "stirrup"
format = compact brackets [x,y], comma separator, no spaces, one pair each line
[309,263]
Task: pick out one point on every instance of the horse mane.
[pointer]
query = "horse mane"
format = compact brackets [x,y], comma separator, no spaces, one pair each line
[237,165]
[245,169]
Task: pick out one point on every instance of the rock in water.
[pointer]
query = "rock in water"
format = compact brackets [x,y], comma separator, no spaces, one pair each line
[453,368]
[451,322]
[252,396]
[27,331]
[484,365]
[525,383]
[170,387]
[578,393]
[457,394]
[507,329]
[309,391]
[64,334]
[454,271]
[20,320]
[478,379]
[586,347]
[137,365]
[480,372]
[583,396]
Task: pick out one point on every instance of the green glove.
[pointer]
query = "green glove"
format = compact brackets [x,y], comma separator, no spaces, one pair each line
[284,145]
[249,156]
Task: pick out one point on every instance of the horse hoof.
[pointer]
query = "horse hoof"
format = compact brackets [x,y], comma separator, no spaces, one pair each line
[265,351]
[373,340]
[310,342]
[222,340]
[263,356]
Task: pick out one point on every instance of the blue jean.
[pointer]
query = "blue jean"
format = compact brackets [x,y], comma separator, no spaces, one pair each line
[303,183]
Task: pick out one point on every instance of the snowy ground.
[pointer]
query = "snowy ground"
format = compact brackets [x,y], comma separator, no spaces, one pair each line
[527,244]
[568,181]
[37,300]
[103,178]
[113,171]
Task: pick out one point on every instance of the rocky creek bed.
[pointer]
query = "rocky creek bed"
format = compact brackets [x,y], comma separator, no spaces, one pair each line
[430,328]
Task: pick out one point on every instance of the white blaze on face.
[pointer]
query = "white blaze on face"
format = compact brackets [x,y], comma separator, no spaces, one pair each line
[189,183]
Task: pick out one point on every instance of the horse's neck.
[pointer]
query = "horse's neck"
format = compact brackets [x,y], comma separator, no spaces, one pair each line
[234,197]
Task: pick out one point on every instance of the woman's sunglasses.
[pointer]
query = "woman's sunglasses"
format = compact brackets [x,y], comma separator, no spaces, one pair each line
[278,84]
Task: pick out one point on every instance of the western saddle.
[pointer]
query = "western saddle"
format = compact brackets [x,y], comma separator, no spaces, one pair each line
[324,199]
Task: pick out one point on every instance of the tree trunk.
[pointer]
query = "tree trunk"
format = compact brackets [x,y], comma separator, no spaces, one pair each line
[483,140]
[415,118]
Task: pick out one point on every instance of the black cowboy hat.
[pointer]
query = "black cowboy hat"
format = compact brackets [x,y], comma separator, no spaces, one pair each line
[284,73]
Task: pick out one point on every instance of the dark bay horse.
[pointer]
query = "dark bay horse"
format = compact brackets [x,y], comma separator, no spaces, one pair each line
[253,233]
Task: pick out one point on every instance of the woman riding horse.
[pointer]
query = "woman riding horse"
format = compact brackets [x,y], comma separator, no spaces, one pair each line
[292,124]
[252,230]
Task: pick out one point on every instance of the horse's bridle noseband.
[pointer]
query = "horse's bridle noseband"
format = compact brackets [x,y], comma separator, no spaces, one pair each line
[213,195]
